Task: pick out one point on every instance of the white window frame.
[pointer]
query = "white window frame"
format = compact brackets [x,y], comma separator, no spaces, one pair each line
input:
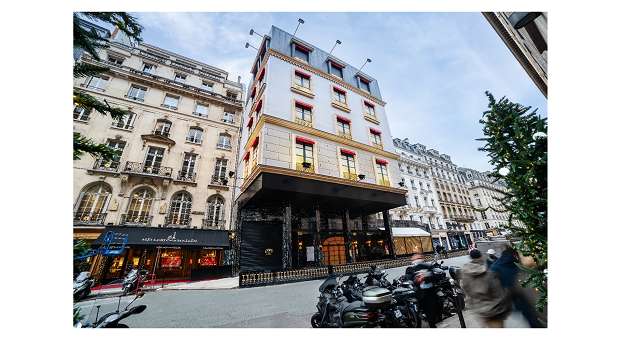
[193,135]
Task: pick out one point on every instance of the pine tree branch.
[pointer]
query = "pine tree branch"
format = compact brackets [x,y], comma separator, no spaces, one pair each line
[90,103]
[83,145]
[87,70]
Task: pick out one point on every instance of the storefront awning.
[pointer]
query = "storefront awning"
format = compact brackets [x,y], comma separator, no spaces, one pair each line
[173,238]
[407,232]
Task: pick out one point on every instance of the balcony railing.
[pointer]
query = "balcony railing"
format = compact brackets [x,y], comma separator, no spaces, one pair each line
[303,122]
[218,180]
[186,176]
[161,133]
[213,224]
[89,218]
[224,146]
[140,168]
[182,66]
[194,140]
[122,125]
[103,165]
[302,88]
[152,56]
[134,98]
[299,167]
[171,107]
[136,219]
[351,176]
[177,221]
[339,103]
[370,116]
[230,121]
[200,114]
[81,116]
[345,135]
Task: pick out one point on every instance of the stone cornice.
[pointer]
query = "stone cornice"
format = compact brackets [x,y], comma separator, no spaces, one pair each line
[260,168]
[319,73]
[315,132]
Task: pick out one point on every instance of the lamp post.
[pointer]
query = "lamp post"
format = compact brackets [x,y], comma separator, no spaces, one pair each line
[300,21]
[367,61]
[253,31]
[337,42]
[249,45]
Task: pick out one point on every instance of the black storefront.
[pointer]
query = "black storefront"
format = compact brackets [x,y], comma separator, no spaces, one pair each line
[168,253]
[287,221]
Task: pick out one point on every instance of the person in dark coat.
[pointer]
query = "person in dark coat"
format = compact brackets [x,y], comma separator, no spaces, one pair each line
[507,271]
[427,296]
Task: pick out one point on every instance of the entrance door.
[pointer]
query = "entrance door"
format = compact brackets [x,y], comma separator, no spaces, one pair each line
[333,251]
[262,246]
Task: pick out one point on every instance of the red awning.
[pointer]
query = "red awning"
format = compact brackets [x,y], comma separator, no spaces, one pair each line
[375,131]
[369,103]
[261,74]
[347,152]
[381,161]
[252,94]
[255,142]
[304,140]
[339,89]
[250,122]
[302,48]
[336,65]
[302,73]
[365,80]
[246,156]
[344,119]
[258,106]
[303,104]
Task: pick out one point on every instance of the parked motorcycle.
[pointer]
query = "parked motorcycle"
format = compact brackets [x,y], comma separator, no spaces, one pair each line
[334,310]
[133,279]
[377,277]
[112,319]
[82,285]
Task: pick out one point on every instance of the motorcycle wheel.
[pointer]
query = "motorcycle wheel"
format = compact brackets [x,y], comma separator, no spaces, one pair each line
[316,320]
[121,325]
[413,321]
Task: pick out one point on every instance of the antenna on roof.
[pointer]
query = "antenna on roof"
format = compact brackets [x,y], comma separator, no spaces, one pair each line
[300,21]
[337,42]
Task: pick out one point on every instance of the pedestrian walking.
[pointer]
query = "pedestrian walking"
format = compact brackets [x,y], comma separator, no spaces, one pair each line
[507,271]
[491,258]
[485,292]
[427,294]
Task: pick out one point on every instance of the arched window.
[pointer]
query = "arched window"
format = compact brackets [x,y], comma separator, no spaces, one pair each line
[214,213]
[180,208]
[138,212]
[92,204]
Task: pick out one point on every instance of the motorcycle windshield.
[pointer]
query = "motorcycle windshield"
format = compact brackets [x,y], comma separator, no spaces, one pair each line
[331,280]
[132,273]
[108,298]
[82,276]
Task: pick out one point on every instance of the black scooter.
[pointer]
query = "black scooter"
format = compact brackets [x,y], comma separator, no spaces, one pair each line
[133,279]
[82,285]
[112,319]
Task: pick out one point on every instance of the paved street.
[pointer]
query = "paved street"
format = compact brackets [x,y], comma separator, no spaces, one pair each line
[281,306]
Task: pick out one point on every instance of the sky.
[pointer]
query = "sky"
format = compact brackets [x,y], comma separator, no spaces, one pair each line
[433,68]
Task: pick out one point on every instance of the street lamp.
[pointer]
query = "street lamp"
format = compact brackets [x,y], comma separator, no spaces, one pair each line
[253,31]
[367,61]
[249,45]
[337,42]
[300,21]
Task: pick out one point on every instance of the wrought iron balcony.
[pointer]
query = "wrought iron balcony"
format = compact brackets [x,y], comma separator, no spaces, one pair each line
[187,176]
[103,165]
[182,66]
[195,140]
[140,168]
[177,221]
[199,114]
[230,121]
[345,135]
[136,219]
[218,180]
[303,122]
[164,133]
[134,98]
[171,107]
[339,103]
[212,224]
[122,125]
[152,56]
[89,218]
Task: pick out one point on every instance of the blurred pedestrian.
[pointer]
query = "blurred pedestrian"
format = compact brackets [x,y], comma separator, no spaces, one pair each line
[507,271]
[485,292]
[428,298]
[491,258]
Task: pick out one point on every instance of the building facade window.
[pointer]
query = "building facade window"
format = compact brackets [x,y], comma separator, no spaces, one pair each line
[170,102]
[188,167]
[214,210]
[180,209]
[96,83]
[349,171]
[304,154]
[219,173]
[162,128]
[344,128]
[375,136]
[335,69]
[301,53]
[154,157]
[181,78]
[117,61]
[206,86]
[382,173]
[195,135]
[224,141]
[364,84]
[201,110]
[136,93]
[92,204]
[303,114]
[126,122]
[80,113]
[228,117]
[149,68]
[138,212]
[302,81]
[339,97]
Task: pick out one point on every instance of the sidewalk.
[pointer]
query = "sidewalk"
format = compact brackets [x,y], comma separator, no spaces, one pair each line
[473,320]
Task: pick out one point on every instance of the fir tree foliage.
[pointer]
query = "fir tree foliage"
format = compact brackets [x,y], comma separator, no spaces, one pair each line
[91,42]
[516,143]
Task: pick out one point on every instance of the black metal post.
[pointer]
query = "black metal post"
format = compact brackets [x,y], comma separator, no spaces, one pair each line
[287,236]
[388,231]
[347,235]
[317,238]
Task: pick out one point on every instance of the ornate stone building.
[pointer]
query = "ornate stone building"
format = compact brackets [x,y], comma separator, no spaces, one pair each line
[178,143]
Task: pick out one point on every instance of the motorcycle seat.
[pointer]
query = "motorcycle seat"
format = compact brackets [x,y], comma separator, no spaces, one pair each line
[356,306]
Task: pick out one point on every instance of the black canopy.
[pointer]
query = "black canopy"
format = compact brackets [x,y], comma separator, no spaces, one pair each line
[174,238]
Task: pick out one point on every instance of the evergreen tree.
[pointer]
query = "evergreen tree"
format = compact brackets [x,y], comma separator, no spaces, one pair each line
[90,42]
[516,142]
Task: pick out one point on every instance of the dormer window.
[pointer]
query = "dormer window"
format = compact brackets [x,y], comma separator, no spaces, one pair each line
[364,84]
[301,53]
[335,69]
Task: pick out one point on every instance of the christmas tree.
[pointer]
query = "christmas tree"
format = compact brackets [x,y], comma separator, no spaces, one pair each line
[516,142]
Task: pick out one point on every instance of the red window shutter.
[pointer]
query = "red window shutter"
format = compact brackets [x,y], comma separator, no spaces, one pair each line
[304,140]
[303,104]
[375,131]
[369,103]
[381,161]
[252,94]
[255,142]
[344,119]
[261,74]
[250,122]
[347,152]
[302,73]
[258,106]
[246,156]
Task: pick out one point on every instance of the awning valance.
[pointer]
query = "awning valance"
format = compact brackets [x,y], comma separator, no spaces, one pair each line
[407,232]
[174,238]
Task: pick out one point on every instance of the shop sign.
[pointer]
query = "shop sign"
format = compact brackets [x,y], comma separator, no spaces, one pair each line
[171,238]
